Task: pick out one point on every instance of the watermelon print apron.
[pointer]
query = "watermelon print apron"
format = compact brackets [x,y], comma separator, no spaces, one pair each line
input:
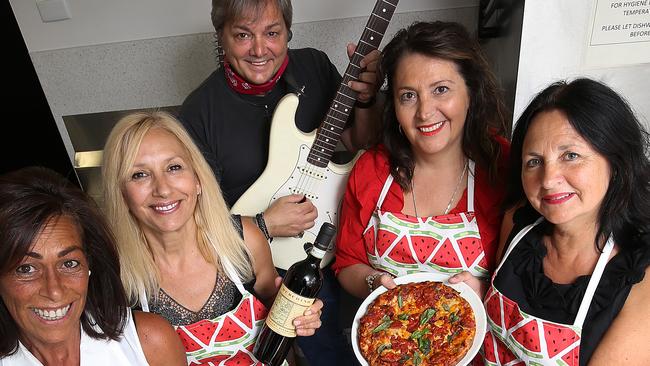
[228,339]
[517,338]
[400,244]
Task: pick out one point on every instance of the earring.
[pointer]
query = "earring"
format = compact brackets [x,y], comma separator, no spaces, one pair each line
[399,127]
[89,272]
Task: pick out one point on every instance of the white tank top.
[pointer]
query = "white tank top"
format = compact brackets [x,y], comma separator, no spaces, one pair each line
[96,352]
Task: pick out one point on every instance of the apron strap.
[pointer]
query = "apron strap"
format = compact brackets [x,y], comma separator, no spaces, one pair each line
[384,190]
[593,282]
[232,274]
[470,186]
[144,303]
[516,240]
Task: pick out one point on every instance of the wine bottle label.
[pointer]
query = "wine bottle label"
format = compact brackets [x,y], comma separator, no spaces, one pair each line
[287,306]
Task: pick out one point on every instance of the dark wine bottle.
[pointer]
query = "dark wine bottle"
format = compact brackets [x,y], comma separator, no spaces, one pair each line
[299,288]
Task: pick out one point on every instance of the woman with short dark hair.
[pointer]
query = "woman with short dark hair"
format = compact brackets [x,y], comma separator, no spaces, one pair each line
[62,297]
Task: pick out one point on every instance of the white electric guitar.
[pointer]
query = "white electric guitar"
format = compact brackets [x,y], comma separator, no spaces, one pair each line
[300,162]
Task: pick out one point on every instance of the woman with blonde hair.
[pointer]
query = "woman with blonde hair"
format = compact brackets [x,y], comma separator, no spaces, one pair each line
[183,255]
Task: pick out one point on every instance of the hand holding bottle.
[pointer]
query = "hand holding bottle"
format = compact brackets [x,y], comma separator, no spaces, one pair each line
[297,295]
[307,324]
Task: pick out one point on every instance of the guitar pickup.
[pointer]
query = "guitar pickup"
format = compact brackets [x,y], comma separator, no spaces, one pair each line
[311,173]
[308,195]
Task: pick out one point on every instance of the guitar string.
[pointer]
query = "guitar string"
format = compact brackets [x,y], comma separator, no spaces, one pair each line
[308,182]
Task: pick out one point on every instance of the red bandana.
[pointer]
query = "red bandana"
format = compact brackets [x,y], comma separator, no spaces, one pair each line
[238,84]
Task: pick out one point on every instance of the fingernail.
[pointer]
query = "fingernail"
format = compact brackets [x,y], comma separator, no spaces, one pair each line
[296,323]
[308,312]
[349,84]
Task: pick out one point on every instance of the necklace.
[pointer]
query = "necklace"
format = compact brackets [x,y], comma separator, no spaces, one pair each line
[453,195]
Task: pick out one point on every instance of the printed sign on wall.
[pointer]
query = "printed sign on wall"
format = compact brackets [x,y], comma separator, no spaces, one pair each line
[620,33]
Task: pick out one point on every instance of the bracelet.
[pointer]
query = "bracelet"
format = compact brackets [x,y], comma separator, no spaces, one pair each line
[367,104]
[370,279]
[259,220]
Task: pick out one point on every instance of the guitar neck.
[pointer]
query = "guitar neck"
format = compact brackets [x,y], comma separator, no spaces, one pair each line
[330,130]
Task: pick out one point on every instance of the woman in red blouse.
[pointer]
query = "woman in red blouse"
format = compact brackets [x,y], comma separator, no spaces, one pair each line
[428,198]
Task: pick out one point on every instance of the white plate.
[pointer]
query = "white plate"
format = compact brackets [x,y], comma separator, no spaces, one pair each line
[465,291]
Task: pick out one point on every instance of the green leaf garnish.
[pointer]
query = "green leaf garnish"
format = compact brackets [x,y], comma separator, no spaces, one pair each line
[399,299]
[424,344]
[383,347]
[403,316]
[419,333]
[454,317]
[445,306]
[427,315]
[385,323]
[452,335]
[417,360]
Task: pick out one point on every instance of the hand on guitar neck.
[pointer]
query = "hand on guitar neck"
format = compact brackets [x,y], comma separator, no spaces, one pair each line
[290,215]
[367,111]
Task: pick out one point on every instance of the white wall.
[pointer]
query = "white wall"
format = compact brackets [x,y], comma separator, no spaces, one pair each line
[554,43]
[115,55]
[95,22]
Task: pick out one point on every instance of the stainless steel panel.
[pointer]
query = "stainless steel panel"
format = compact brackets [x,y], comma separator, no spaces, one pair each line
[88,133]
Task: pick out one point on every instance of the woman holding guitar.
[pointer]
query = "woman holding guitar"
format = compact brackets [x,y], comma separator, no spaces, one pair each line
[427,199]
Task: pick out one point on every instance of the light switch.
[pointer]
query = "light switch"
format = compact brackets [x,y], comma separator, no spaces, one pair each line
[53,10]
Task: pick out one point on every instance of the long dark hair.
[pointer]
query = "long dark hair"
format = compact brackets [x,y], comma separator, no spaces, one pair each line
[486,116]
[606,122]
[29,199]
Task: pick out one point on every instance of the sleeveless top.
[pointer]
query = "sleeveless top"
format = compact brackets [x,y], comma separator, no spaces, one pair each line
[224,297]
[94,352]
[521,278]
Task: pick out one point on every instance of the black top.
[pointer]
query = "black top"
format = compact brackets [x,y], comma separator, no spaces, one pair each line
[232,130]
[522,279]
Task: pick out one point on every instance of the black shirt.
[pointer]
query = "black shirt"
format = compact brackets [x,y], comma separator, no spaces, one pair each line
[522,279]
[232,130]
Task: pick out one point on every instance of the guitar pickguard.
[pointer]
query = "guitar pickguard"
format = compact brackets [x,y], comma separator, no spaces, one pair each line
[322,186]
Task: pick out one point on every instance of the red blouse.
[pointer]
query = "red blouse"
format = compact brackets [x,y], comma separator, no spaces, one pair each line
[366,180]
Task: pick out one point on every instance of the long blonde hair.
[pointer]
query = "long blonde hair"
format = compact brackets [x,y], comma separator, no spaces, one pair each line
[217,237]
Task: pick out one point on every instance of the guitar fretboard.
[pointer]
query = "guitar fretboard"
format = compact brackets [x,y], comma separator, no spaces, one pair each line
[330,130]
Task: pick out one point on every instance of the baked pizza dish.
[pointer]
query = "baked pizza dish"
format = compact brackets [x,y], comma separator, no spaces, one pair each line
[417,324]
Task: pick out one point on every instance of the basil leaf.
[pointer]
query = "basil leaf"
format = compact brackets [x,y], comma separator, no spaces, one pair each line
[454,317]
[445,306]
[424,344]
[417,360]
[427,315]
[399,299]
[452,335]
[419,333]
[403,316]
[383,347]
[384,325]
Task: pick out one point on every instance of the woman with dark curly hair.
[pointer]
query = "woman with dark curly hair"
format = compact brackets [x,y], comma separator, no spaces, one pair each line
[571,288]
[62,299]
[428,198]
